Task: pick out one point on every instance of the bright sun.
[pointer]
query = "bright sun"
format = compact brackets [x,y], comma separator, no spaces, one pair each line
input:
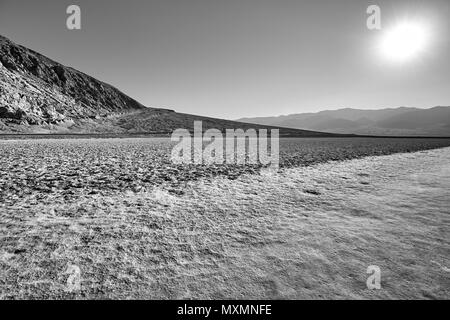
[404,41]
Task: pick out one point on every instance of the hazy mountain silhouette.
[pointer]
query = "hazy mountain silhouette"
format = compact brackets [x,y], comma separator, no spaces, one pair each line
[393,121]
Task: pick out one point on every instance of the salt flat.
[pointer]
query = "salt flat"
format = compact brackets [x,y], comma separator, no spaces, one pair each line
[306,232]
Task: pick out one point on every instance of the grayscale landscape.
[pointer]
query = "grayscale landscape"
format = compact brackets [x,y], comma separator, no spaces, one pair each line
[94,206]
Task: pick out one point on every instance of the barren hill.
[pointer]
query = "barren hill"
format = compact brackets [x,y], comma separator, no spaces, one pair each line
[39,95]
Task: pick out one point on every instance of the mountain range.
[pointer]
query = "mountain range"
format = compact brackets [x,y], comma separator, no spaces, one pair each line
[400,121]
[41,96]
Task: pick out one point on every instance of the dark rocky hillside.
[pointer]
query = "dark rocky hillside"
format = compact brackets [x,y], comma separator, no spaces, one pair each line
[35,89]
[39,95]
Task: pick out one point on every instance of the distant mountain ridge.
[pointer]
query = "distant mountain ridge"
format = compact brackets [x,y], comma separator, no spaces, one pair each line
[401,121]
[39,95]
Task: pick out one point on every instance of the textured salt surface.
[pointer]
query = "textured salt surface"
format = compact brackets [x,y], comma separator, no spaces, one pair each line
[308,232]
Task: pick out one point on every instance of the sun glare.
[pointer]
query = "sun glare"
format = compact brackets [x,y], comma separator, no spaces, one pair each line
[404,41]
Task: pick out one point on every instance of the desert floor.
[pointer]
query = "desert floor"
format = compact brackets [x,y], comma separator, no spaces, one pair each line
[302,232]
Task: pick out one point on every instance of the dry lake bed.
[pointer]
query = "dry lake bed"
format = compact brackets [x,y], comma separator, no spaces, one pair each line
[114,218]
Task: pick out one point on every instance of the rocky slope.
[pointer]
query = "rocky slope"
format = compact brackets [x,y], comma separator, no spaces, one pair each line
[39,95]
[37,90]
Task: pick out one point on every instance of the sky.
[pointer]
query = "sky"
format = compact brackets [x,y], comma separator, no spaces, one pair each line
[242,58]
